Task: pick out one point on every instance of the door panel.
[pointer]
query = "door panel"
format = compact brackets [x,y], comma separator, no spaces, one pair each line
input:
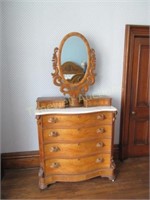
[141,132]
[138,125]
[139,139]
[140,75]
[135,93]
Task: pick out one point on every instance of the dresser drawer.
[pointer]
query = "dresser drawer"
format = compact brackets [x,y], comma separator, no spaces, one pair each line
[77,166]
[76,120]
[80,134]
[64,150]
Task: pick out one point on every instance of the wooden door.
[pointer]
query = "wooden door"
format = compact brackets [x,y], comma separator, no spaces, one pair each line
[134,138]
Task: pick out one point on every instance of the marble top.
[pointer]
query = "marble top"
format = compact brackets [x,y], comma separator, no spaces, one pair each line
[74,110]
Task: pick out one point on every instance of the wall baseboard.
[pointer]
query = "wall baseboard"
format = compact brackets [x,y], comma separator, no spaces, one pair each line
[27,159]
[116,148]
[30,159]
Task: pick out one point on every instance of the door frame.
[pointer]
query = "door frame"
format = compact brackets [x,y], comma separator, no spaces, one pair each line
[131,31]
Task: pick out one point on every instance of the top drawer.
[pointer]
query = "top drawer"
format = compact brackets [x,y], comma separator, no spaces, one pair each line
[76,120]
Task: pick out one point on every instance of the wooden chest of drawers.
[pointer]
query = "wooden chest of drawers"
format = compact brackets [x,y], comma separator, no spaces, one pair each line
[75,144]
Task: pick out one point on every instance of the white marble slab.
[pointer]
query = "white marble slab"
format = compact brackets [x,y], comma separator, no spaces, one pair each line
[74,110]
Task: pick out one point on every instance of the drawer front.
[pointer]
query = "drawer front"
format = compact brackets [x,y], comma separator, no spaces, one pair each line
[80,134]
[63,150]
[76,166]
[73,121]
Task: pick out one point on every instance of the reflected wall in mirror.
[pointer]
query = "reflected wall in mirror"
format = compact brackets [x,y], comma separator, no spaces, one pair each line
[74,58]
[74,65]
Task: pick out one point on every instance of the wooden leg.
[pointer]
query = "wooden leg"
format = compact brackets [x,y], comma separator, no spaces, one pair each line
[42,185]
[112,178]
[41,172]
[113,166]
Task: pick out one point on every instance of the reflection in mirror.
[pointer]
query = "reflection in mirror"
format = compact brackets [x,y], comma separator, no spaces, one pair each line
[74,59]
[72,72]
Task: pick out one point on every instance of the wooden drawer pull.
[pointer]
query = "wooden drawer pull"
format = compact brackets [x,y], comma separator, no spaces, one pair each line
[52,120]
[100,144]
[101,117]
[53,134]
[54,149]
[100,130]
[55,165]
[99,160]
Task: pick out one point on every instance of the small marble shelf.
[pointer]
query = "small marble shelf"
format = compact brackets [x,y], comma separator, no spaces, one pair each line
[75,110]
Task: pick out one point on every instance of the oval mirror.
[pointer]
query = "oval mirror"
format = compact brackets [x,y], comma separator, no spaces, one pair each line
[74,65]
[74,58]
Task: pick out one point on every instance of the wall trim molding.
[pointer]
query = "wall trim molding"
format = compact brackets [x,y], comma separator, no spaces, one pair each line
[15,160]
[30,159]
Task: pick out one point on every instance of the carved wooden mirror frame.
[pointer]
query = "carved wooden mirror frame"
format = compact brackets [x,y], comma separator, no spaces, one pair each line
[74,89]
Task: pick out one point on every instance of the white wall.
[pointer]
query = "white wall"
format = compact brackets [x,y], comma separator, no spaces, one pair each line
[31,30]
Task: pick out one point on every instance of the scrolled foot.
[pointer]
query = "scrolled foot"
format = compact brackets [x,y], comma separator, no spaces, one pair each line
[112,178]
[42,186]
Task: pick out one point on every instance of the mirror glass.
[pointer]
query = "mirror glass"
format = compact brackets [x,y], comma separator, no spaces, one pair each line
[74,58]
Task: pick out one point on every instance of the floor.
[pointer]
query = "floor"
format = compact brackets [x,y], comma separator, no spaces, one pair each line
[132,182]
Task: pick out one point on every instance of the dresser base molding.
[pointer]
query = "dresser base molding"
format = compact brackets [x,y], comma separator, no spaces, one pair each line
[44,182]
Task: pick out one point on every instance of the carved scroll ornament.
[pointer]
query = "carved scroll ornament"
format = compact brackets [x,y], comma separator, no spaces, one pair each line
[77,88]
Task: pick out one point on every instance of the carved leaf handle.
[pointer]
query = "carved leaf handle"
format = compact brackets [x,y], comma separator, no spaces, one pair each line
[99,160]
[100,144]
[52,120]
[54,149]
[101,117]
[55,165]
[53,134]
[100,130]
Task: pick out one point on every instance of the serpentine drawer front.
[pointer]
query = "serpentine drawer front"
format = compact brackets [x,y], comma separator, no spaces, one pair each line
[75,144]
[77,165]
[71,150]
[56,135]
[79,120]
